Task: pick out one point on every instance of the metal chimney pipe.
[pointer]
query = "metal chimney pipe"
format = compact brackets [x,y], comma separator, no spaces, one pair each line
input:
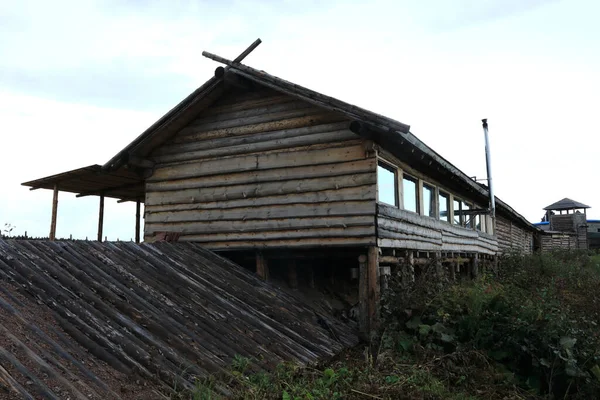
[489,175]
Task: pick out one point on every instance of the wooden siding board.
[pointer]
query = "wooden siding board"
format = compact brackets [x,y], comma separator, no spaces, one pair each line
[264,173]
[320,154]
[404,229]
[259,145]
[258,190]
[329,170]
[365,192]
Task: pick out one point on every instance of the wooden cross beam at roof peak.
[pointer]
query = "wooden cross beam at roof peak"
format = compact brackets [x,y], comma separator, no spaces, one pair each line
[239,58]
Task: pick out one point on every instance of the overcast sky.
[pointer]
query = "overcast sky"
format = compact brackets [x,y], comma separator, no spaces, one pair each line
[79,80]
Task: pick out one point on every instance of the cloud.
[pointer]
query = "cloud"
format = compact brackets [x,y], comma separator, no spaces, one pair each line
[80,79]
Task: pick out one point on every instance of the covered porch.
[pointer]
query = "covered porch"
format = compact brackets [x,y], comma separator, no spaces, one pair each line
[123,184]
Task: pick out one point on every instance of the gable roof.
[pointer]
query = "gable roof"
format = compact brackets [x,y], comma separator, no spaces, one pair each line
[392,135]
[565,204]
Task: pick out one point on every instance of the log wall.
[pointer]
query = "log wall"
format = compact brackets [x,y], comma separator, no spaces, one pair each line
[550,241]
[262,169]
[404,229]
[512,237]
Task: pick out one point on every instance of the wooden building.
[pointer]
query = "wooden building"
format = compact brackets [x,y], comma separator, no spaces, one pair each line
[255,166]
[565,226]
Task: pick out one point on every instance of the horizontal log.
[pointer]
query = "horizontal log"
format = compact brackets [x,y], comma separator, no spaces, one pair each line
[408,229]
[366,192]
[407,244]
[259,146]
[301,110]
[415,219]
[239,104]
[194,135]
[286,244]
[228,141]
[270,175]
[285,211]
[253,190]
[387,234]
[267,225]
[351,232]
[232,116]
[292,158]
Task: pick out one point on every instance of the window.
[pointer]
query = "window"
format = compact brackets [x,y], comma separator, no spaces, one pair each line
[428,201]
[409,190]
[467,220]
[478,224]
[387,184]
[444,201]
[456,207]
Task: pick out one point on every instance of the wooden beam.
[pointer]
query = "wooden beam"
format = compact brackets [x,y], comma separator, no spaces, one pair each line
[363,294]
[292,274]
[374,288]
[54,213]
[136,161]
[249,50]
[137,221]
[262,268]
[100,217]
[112,189]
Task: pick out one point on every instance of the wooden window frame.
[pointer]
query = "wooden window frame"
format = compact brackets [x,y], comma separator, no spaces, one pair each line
[393,169]
[448,197]
[418,183]
[433,188]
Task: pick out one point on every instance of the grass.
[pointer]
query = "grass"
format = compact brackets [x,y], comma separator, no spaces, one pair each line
[529,331]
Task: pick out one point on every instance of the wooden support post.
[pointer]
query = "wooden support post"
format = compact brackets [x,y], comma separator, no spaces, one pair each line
[292,274]
[54,213]
[474,266]
[374,288]
[262,268]
[411,266]
[137,221]
[101,218]
[363,291]
[311,277]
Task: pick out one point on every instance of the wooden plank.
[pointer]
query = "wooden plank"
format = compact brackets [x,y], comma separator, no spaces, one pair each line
[373,281]
[256,191]
[292,274]
[285,211]
[387,234]
[231,116]
[270,175]
[363,297]
[403,228]
[262,268]
[288,159]
[193,135]
[137,221]
[213,143]
[352,231]
[365,192]
[259,146]
[283,243]
[292,110]
[237,103]
[281,224]
[100,218]
[54,213]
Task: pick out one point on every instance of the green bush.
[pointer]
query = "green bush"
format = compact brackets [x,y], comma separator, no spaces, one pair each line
[537,317]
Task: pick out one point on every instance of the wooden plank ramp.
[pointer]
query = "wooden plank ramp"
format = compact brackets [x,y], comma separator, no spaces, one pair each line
[164,312]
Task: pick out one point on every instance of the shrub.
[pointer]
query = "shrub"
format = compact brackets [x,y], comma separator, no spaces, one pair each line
[536,317]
